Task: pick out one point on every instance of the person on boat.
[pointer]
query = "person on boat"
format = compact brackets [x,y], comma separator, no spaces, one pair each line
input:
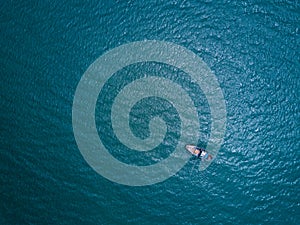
[200,152]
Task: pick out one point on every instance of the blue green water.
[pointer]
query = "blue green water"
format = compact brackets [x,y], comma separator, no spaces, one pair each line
[251,46]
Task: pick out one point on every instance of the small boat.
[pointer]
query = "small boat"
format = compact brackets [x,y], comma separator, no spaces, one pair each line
[202,154]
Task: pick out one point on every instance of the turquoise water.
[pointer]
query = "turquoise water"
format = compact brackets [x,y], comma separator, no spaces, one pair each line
[253,50]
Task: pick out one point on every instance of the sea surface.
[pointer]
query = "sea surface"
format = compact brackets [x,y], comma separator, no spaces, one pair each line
[252,47]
